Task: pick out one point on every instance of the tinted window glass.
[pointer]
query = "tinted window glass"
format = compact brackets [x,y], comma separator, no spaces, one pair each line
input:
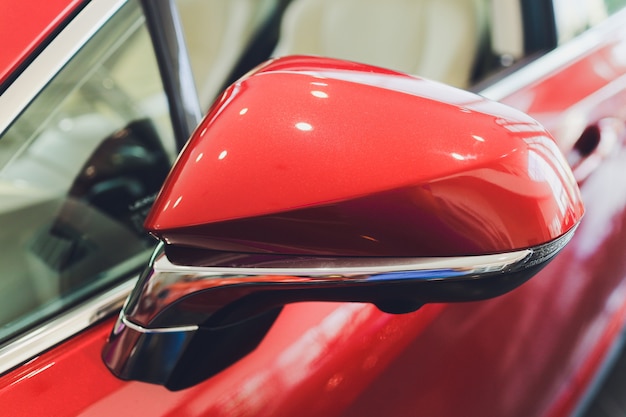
[225,38]
[575,16]
[458,42]
[78,170]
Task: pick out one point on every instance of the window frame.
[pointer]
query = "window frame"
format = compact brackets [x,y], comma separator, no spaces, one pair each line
[26,87]
[550,62]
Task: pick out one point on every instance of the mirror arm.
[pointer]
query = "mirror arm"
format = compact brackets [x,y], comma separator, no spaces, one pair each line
[173,60]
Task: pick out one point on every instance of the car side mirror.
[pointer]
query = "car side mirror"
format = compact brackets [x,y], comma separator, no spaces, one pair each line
[319,179]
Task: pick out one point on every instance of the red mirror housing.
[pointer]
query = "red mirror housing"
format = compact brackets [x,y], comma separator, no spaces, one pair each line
[313,179]
[317,156]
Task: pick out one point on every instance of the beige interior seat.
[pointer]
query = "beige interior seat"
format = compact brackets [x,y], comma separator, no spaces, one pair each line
[216,33]
[436,39]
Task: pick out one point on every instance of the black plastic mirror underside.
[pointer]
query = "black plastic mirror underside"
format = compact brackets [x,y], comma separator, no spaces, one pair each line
[212,350]
[179,360]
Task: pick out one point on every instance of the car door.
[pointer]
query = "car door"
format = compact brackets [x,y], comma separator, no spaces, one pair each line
[577,93]
[531,352]
[539,350]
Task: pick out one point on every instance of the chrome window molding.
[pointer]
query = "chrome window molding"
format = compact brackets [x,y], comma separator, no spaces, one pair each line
[63,327]
[13,101]
[555,59]
[52,59]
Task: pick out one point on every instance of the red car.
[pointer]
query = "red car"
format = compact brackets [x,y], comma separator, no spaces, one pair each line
[335,238]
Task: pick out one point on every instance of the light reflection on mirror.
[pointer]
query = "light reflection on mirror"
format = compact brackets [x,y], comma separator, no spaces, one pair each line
[304,126]
[319,94]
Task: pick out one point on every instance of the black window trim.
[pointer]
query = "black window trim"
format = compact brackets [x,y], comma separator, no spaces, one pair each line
[169,44]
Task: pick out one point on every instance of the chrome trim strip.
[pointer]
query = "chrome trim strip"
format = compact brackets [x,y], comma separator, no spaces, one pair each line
[50,61]
[163,284]
[141,329]
[182,312]
[63,327]
[13,101]
[553,60]
[341,267]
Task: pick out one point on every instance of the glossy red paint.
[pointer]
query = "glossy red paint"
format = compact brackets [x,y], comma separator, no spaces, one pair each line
[591,70]
[600,96]
[24,25]
[307,358]
[320,167]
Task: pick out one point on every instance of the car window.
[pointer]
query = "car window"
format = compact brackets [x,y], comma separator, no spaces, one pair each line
[458,42]
[440,39]
[79,169]
[225,38]
[575,16]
